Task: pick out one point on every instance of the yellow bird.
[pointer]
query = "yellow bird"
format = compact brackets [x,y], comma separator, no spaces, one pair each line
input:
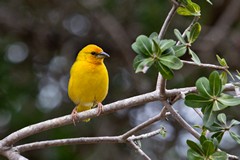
[88,83]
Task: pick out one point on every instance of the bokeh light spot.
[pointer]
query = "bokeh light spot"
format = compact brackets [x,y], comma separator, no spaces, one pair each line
[49,97]
[77,24]
[17,52]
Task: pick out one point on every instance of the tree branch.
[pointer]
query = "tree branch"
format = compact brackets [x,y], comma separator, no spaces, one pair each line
[168,19]
[65,120]
[138,149]
[205,65]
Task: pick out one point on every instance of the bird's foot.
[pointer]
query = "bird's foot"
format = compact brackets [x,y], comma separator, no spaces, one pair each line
[74,116]
[100,107]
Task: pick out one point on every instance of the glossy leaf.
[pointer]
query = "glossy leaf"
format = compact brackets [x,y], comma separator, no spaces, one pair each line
[137,60]
[194,33]
[179,36]
[194,146]
[208,148]
[235,136]
[171,62]
[142,45]
[234,123]
[153,35]
[215,83]
[189,9]
[144,65]
[223,76]
[196,101]
[216,127]
[136,49]
[222,118]
[194,56]
[219,156]
[228,100]
[164,70]
[221,61]
[202,139]
[203,88]
[218,136]
[192,155]
[180,50]
[166,43]
[156,48]
[209,116]
[217,106]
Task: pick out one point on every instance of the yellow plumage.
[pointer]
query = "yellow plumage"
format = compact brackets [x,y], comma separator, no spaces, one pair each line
[88,83]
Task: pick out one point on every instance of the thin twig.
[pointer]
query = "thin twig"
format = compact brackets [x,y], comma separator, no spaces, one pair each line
[139,150]
[206,65]
[147,135]
[145,124]
[195,19]
[168,20]
[180,120]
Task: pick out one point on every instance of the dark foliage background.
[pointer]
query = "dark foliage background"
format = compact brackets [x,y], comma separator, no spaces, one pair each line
[39,41]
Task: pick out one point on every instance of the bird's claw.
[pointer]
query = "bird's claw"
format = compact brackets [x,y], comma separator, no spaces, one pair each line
[74,116]
[100,107]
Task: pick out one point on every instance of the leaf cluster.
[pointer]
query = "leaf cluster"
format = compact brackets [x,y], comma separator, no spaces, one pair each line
[191,35]
[162,54]
[210,98]
[206,150]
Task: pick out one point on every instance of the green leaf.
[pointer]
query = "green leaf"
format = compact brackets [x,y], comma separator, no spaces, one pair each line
[194,56]
[218,136]
[235,136]
[145,65]
[194,33]
[164,70]
[224,77]
[171,62]
[169,51]
[202,139]
[221,61]
[217,106]
[142,45]
[196,101]
[163,132]
[136,49]
[137,60]
[153,35]
[216,127]
[156,48]
[215,83]
[228,100]
[195,147]
[234,123]
[188,8]
[203,88]
[192,155]
[180,50]
[208,148]
[166,43]
[219,156]
[209,116]
[222,118]
[179,36]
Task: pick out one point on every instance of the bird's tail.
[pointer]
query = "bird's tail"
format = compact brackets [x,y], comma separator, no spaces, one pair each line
[81,108]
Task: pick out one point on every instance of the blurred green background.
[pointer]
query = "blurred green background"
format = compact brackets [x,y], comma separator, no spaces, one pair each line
[39,41]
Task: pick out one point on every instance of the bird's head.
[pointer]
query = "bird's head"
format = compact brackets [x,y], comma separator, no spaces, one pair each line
[93,54]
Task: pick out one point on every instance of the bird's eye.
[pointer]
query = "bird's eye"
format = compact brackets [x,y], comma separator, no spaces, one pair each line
[93,53]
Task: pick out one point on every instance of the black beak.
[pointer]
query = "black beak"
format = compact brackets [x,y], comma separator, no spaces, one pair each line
[103,55]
